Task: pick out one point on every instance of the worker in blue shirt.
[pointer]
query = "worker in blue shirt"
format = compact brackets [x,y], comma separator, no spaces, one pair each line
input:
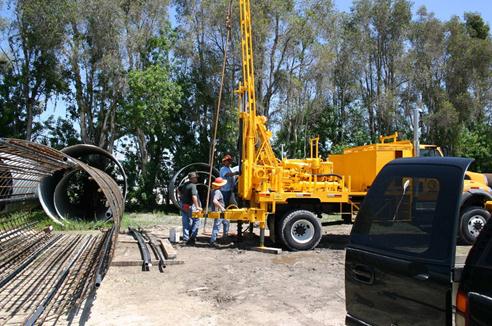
[227,174]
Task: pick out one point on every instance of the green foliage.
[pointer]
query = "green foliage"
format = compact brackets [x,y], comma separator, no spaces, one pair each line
[476,26]
[135,84]
[33,71]
[475,143]
[152,102]
[60,133]
[43,221]
[153,98]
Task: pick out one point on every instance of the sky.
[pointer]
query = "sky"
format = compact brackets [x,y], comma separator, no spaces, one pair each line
[443,9]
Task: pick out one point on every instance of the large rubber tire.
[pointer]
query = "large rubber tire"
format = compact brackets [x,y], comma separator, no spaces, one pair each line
[300,230]
[472,221]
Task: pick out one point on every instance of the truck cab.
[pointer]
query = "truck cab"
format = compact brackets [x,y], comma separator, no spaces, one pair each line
[403,266]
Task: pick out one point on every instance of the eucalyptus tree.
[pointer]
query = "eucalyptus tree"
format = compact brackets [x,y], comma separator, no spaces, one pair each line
[32,71]
[97,74]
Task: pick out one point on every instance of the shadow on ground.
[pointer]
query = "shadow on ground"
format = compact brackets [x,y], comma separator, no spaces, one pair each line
[250,241]
[334,241]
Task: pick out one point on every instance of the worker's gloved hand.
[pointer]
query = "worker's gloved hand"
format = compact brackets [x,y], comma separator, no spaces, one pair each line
[196,208]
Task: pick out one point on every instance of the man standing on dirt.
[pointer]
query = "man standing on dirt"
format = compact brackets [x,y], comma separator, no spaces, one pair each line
[227,174]
[189,204]
[218,206]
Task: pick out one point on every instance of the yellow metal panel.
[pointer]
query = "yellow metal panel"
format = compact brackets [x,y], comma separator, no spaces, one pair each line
[363,163]
[488,206]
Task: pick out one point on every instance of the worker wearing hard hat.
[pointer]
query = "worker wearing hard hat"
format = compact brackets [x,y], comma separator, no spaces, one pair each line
[227,174]
[218,205]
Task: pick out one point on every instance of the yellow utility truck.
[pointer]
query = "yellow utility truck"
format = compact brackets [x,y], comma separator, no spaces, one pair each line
[362,164]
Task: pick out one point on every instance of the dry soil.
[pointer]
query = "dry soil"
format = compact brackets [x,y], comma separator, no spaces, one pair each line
[230,285]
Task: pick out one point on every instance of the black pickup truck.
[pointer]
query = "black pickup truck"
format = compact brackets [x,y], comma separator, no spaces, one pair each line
[403,265]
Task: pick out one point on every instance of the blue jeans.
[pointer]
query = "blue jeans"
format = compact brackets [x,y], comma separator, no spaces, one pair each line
[195,224]
[190,224]
[215,230]
[186,219]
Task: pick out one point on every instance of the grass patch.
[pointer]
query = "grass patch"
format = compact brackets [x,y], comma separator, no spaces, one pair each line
[148,220]
[129,220]
[74,225]
[43,221]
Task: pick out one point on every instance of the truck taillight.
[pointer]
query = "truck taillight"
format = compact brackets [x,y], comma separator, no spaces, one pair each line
[462,309]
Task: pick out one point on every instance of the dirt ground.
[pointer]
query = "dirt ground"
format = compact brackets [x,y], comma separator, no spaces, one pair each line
[230,285]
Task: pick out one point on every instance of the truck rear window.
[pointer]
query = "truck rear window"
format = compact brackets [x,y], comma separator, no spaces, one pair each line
[409,213]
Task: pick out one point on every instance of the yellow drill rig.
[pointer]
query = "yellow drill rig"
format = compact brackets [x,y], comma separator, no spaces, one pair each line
[289,194]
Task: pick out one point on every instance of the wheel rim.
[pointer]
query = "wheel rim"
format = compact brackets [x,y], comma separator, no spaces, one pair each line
[475,225]
[302,231]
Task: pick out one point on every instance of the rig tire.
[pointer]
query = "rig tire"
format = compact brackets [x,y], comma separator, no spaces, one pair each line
[472,221]
[300,230]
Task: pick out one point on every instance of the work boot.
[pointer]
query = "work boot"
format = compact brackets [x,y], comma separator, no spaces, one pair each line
[190,242]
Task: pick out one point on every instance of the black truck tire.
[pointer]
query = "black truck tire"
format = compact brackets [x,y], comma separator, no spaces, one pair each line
[472,221]
[300,230]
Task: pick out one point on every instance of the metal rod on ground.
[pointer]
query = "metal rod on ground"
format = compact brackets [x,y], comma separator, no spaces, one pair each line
[217,111]
[61,278]
[29,260]
[13,229]
[29,246]
[157,250]
[6,245]
[143,249]
[105,254]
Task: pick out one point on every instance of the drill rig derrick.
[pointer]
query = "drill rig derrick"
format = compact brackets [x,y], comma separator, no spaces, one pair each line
[284,189]
[291,194]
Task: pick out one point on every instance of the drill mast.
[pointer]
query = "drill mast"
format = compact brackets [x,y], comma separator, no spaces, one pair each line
[257,154]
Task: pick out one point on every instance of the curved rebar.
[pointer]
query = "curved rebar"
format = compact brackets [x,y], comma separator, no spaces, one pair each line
[173,186]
